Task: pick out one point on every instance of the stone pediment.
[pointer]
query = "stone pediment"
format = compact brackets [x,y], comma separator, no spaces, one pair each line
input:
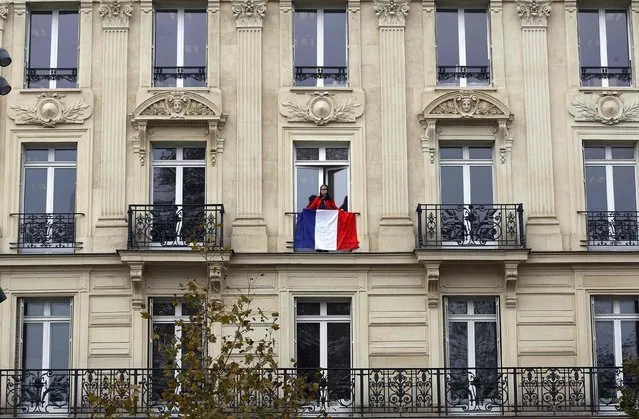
[466,104]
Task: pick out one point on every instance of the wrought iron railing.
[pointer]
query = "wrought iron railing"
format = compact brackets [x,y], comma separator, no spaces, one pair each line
[175,226]
[622,74]
[498,225]
[34,75]
[612,228]
[46,231]
[186,72]
[338,74]
[391,392]
[455,72]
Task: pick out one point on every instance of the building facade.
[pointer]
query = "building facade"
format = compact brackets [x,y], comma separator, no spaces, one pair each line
[489,150]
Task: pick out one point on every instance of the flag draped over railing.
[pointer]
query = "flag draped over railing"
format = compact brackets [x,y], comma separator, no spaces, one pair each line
[326,230]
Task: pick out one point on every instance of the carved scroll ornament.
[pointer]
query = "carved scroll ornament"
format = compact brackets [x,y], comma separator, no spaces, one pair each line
[49,110]
[533,12]
[249,13]
[115,14]
[321,108]
[608,108]
[392,12]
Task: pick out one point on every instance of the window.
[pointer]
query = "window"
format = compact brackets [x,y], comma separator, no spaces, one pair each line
[472,352]
[48,213]
[616,322]
[321,40]
[463,47]
[164,315]
[44,339]
[315,166]
[611,194]
[323,341]
[53,47]
[178,194]
[604,51]
[180,48]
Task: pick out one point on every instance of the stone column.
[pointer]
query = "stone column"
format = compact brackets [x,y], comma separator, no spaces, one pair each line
[396,229]
[115,36]
[85,60]
[249,229]
[542,228]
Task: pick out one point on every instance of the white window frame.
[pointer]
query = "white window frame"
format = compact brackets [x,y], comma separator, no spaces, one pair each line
[603,41]
[50,165]
[53,57]
[178,164]
[319,39]
[166,319]
[179,62]
[609,163]
[461,43]
[466,162]
[326,165]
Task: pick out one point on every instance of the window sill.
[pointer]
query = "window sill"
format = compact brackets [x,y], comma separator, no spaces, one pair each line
[165,89]
[608,89]
[450,88]
[46,90]
[324,88]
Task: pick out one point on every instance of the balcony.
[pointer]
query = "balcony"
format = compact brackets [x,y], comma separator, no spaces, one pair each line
[476,73]
[35,75]
[179,73]
[472,225]
[337,74]
[618,230]
[46,233]
[162,226]
[621,75]
[374,392]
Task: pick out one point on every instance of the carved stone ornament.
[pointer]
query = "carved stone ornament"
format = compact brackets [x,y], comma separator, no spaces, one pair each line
[321,108]
[510,284]
[249,13]
[392,12]
[115,14]
[534,12]
[608,108]
[181,108]
[49,110]
[469,105]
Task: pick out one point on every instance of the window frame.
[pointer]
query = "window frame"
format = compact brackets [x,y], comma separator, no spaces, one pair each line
[462,81]
[167,319]
[466,163]
[178,164]
[54,44]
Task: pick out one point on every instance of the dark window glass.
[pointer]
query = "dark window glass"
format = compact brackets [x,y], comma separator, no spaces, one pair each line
[62,154]
[68,42]
[35,190]
[308,308]
[451,153]
[481,184]
[64,190]
[164,153]
[452,185]
[165,39]
[36,155]
[596,192]
[195,35]
[337,153]
[338,309]
[617,38]
[307,153]
[476,30]
[594,153]
[623,153]
[589,45]
[194,153]
[480,153]
[447,38]
[335,38]
[40,44]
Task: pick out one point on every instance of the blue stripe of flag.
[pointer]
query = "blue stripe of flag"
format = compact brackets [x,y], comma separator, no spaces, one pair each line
[305,230]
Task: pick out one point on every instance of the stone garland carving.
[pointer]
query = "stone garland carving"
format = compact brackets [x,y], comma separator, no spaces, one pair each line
[4,10]
[178,105]
[467,105]
[249,13]
[534,12]
[115,14]
[392,12]
[320,109]
[608,108]
[50,110]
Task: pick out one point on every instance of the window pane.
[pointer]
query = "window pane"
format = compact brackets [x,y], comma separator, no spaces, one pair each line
[164,153]
[337,153]
[476,28]
[485,307]
[163,308]
[594,153]
[458,344]
[195,34]
[480,153]
[34,308]
[59,346]
[308,309]
[337,181]
[40,44]
[194,153]
[307,186]
[190,308]
[623,153]
[596,193]
[68,42]
[306,42]
[60,309]
[163,185]
[617,38]
[452,185]
[308,345]
[625,188]
[628,339]
[62,154]
[35,190]
[36,155]
[605,344]
[457,307]
[165,337]
[165,42]
[64,190]
[307,153]
[339,345]
[603,306]
[449,153]
[629,306]
[589,45]
[194,186]
[338,309]
[486,344]
[481,184]
[32,345]
[334,40]
[447,38]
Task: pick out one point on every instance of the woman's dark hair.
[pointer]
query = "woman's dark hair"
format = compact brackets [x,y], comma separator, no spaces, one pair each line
[327,196]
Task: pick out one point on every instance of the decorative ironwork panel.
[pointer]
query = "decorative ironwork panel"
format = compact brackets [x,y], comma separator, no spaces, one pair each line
[338,74]
[46,231]
[34,75]
[187,72]
[612,228]
[479,73]
[623,74]
[493,225]
[176,226]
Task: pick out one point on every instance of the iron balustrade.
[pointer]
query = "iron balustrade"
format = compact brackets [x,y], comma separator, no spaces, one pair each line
[46,231]
[455,72]
[34,75]
[610,73]
[175,226]
[498,225]
[612,228]
[185,72]
[338,74]
[391,392]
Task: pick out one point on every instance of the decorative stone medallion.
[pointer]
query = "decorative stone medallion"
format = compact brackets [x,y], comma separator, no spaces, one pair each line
[321,108]
[608,108]
[49,110]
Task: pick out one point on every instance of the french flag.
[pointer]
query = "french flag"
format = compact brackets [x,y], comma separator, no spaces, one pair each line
[326,230]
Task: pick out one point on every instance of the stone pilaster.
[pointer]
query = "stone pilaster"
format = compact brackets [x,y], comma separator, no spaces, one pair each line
[249,229]
[396,229]
[542,229]
[85,60]
[115,37]
[4,10]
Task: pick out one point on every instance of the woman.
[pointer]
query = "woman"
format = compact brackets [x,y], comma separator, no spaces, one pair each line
[323,200]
